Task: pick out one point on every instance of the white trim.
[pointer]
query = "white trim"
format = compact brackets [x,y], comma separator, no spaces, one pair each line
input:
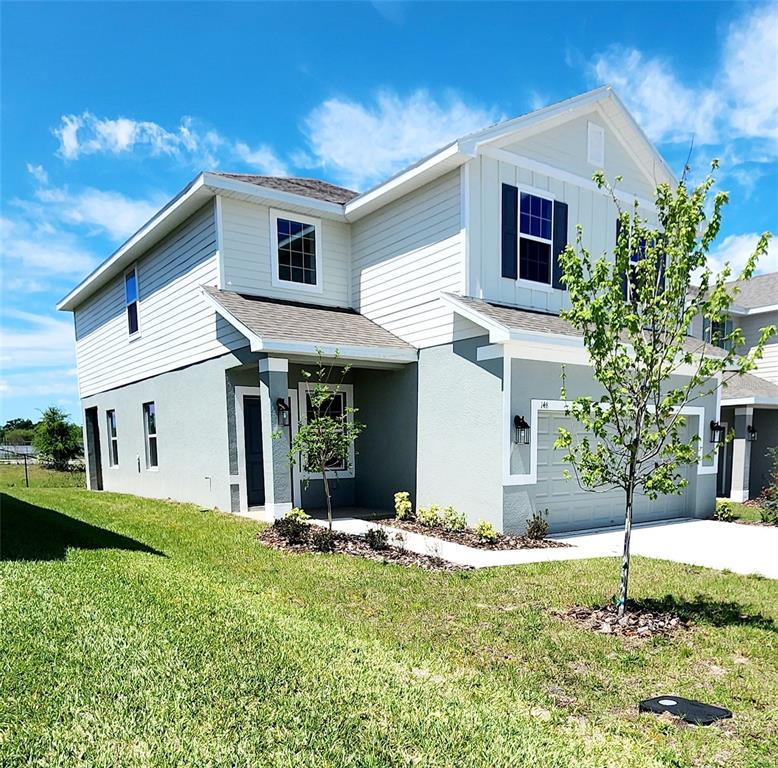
[595,134]
[758,402]
[277,364]
[147,435]
[522,161]
[464,223]
[275,214]
[219,226]
[348,391]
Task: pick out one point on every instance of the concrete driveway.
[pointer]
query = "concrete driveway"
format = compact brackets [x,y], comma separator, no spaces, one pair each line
[727,546]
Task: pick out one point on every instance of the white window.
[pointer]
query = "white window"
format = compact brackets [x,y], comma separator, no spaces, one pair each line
[150,431]
[716,332]
[595,145]
[536,229]
[113,439]
[296,251]
[338,404]
[131,301]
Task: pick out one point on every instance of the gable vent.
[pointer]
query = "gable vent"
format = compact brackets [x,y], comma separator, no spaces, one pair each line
[595,145]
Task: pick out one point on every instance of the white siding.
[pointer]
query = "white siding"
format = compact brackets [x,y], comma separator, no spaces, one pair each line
[752,326]
[247,262]
[406,253]
[177,326]
[595,212]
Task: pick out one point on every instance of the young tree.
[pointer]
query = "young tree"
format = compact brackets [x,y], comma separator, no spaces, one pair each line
[634,311]
[324,438]
[56,439]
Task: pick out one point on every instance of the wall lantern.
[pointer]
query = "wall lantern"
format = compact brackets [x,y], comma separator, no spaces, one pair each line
[522,430]
[717,432]
[751,433]
[283,412]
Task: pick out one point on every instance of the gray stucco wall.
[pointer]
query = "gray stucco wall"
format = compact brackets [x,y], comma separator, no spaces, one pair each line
[766,424]
[459,430]
[192,437]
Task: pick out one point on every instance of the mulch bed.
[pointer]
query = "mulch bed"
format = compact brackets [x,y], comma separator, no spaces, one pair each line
[356,545]
[634,623]
[469,538]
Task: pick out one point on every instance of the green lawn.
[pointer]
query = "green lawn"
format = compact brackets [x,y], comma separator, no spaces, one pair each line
[139,632]
[12,476]
[744,513]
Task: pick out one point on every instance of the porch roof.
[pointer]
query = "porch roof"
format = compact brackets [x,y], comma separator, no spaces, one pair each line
[749,390]
[291,327]
[515,320]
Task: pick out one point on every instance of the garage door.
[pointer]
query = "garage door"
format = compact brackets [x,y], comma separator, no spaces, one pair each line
[569,507]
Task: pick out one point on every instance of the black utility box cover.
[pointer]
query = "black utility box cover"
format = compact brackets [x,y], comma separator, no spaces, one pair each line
[687,709]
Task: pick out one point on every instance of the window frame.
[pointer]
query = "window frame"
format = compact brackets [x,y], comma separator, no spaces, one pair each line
[275,214]
[525,281]
[113,437]
[708,328]
[133,270]
[149,436]
[347,390]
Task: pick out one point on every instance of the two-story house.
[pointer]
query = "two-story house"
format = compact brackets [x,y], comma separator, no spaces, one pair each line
[440,286]
[749,403]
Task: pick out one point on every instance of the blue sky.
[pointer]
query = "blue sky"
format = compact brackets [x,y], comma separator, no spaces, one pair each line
[110,108]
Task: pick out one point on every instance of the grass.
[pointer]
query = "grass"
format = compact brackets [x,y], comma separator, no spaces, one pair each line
[12,476]
[138,632]
[744,513]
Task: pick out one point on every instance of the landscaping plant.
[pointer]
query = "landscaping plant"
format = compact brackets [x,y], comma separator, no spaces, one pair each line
[768,501]
[403,508]
[485,531]
[57,440]
[428,516]
[377,538]
[323,440]
[323,539]
[293,526]
[633,311]
[537,525]
[724,513]
[453,521]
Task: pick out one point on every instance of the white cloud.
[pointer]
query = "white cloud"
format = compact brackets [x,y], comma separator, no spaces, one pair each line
[41,341]
[38,172]
[42,384]
[735,250]
[739,102]
[262,158]
[362,144]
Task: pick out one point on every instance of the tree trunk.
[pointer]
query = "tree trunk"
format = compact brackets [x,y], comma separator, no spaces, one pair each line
[625,561]
[327,496]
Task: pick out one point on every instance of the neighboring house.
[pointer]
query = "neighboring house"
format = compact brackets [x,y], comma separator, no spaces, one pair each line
[749,403]
[440,286]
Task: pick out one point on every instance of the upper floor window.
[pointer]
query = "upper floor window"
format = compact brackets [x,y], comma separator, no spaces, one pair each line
[716,332]
[150,433]
[296,251]
[535,237]
[113,439]
[131,300]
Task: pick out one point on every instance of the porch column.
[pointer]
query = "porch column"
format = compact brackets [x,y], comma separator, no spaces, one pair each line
[273,385]
[741,454]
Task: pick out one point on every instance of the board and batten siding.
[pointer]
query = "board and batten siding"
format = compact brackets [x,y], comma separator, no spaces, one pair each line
[248,264]
[177,326]
[404,255]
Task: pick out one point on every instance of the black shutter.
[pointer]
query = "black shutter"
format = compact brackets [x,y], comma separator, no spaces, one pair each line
[510,231]
[560,242]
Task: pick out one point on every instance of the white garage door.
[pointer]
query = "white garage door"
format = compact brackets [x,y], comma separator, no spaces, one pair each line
[571,508]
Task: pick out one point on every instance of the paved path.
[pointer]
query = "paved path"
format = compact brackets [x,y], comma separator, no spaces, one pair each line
[740,548]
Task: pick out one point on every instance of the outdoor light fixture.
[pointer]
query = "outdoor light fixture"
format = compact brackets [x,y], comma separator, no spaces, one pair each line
[283,412]
[751,433]
[717,432]
[522,430]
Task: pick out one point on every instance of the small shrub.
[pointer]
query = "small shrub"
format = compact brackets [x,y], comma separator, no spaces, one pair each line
[377,538]
[452,520]
[769,513]
[428,516]
[403,509]
[724,513]
[537,525]
[323,539]
[485,531]
[293,526]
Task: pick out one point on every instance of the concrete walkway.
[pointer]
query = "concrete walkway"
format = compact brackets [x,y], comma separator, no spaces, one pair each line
[742,549]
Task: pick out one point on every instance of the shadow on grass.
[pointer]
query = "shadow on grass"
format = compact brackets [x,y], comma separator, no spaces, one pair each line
[29,532]
[704,610]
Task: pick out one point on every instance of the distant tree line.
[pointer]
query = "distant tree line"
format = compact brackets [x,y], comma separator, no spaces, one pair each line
[57,441]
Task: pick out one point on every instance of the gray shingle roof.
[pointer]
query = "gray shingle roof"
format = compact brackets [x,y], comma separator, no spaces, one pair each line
[749,386]
[759,291]
[514,318]
[296,185]
[290,321]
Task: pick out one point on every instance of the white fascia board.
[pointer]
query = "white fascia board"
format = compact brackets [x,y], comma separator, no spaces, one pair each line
[141,241]
[345,351]
[761,310]
[498,333]
[405,181]
[223,184]
[758,402]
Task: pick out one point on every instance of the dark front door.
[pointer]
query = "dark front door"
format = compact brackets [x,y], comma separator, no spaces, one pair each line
[93,449]
[252,430]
